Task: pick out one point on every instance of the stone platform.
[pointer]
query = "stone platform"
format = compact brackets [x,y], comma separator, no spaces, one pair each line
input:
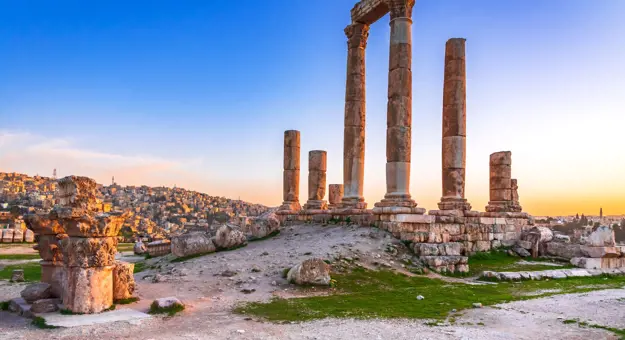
[339,215]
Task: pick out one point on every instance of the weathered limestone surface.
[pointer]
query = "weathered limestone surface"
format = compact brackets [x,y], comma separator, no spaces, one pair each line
[192,244]
[53,273]
[7,236]
[399,108]
[88,290]
[89,252]
[335,195]
[369,11]
[36,291]
[603,236]
[262,226]
[290,184]
[354,133]
[311,271]
[123,280]
[502,191]
[77,192]
[454,127]
[228,237]
[317,166]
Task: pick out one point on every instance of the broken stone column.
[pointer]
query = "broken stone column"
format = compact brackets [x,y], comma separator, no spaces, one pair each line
[354,134]
[399,109]
[501,191]
[123,280]
[454,127]
[49,232]
[89,251]
[335,195]
[290,184]
[317,165]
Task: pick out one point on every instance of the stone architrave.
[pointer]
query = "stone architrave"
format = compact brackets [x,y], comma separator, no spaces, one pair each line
[335,195]
[399,109]
[501,184]
[355,116]
[290,184]
[317,165]
[454,127]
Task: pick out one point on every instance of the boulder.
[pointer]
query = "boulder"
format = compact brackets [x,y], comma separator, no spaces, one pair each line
[167,302]
[123,280]
[45,306]
[540,234]
[602,237]
[601,251]
[310,272]
[229,236]
[36,291]
[192,244]
[139,248]
[561,238]
[17,275]
[20,307]
[262,226]
[565,250]
[521,251]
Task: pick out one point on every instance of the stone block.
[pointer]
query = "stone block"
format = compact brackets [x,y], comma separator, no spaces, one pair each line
[99,225]
[481,246]
[89,252]
[487,220]
[77,192]
[414,218]
[502,157]
[53,273]
[88,290]
[123,280]
[41,224]
[596,252]
[45,306]
[602,236]
[7,235]
[36,291]
[20,307]
[29,236]
[18,236]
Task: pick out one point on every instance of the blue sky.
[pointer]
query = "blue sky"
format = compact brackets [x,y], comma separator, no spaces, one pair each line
[198,94]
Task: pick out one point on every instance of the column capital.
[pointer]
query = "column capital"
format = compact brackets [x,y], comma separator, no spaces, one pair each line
[400,8]
[357,35]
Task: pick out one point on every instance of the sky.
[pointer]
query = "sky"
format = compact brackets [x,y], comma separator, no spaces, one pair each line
[198,94]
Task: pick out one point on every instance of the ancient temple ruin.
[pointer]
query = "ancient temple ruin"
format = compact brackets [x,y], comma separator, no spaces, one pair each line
[443,238]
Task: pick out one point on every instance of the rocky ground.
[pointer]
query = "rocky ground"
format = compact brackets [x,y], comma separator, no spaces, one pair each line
[211,285]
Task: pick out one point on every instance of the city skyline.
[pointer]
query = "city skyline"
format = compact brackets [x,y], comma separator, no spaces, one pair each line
[159,98]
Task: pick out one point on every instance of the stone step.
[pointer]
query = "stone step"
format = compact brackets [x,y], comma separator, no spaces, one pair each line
[550,274]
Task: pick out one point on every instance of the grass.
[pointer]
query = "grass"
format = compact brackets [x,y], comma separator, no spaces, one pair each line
[127,301]
[384,294]
[19,256]
[618,332]
[139,267]
[501,261]
[41,323]
[4,305]
[171,310]
[125,247]
[68,312]
[32,271]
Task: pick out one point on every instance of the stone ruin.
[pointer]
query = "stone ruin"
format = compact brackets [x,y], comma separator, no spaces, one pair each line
[77,244]
[442,238]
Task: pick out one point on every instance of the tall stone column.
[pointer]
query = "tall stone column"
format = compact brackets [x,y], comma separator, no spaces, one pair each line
[317,165]
[454,127]
[335,195]
[290,184]
[502,193]
[354,135]
[399,109]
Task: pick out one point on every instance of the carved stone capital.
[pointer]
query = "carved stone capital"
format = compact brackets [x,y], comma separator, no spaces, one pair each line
[400,8]
[89,252]
[357,35]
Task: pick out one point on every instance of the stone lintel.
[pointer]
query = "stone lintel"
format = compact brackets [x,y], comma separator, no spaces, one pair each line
[369,11]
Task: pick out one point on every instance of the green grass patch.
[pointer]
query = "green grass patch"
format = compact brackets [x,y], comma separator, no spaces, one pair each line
[41,323]
[384,294]
[139,267]
[127,301]
[285,272]
[32,271]
[171,311]
[19,256]
[4,305]
[618,332]
[68,312]
[189,257]
[501,261]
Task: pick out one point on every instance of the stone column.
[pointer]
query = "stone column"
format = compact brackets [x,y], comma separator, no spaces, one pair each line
[335,195]
[399,108]
[50,233]
[317,165]
[501,185]
[454,127]
[290,184]
[354,135]
[89,251]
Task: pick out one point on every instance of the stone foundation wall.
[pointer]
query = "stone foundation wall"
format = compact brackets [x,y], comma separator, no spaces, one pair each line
[338,216]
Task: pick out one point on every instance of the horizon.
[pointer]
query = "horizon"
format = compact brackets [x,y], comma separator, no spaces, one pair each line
[180,94]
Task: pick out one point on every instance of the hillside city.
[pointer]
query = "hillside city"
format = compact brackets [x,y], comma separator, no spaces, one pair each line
[157,212]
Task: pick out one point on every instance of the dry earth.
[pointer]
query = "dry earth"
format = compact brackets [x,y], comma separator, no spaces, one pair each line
[211,285]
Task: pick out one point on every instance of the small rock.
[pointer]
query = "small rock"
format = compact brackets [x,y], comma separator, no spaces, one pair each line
[45,306]
[36,292]
[248,290]
[240,331]
[274,283]
[255,269]
[167,302]
[17,275]
[477,305]
[228,273]
[453,310]
[420,297]
[521,252]
[264,253]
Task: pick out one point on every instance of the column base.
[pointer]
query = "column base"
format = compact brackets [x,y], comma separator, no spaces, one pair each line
[397,200]
[454,203]
[316,205]
[352,203]
[503,206]
[290,206]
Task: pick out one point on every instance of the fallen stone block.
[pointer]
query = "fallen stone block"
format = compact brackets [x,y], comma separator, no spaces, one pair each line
[590,251]
[228,237]
[17,275]
[603,236]
[311,271]
[36,291]
[20,307]
[192,244]
[45,306]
